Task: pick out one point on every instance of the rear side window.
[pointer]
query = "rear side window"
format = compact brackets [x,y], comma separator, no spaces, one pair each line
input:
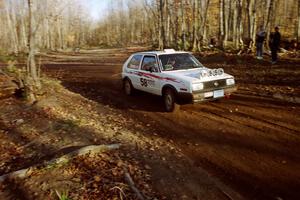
[135,62]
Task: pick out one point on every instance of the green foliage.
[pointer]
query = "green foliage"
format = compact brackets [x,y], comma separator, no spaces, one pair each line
[51,166]
[67,125]
[12,70]
[18,75]
[54,83]
[180,45]
[4,57]
[63,195]
[11,67]
[62,162]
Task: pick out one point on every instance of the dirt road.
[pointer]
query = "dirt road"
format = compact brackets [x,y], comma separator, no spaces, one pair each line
[250,142]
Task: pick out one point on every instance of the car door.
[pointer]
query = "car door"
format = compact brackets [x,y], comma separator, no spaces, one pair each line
[132,70]
[150,74]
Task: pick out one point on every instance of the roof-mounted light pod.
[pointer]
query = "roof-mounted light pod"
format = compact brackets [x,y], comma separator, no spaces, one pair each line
[169,50]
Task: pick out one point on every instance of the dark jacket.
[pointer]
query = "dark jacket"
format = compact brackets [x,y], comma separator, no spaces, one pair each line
[274,41]
[260,37]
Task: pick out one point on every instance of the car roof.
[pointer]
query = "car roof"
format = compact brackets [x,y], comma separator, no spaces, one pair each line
[161,52]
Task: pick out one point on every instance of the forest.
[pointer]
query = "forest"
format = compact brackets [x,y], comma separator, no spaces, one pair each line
[180,24]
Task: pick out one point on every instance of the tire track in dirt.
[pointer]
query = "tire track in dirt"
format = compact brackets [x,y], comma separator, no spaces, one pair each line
[246,118]
[266,113]
[266,122]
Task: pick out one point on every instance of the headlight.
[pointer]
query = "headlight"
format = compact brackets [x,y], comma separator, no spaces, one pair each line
[197,86]
[230,81]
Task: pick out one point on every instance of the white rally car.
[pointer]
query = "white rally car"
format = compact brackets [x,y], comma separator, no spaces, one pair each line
[177,76]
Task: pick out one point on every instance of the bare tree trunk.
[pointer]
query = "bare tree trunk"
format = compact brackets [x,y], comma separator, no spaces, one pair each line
[224,23]
[269,15]
[183,25]
[251,11]
[204,33]
[60,33]
[23,35]
[167,25]
[267,26]
[221,23]
[32,82]
[273,16]
[176,31]
[229,19]
[235,24]
[195,25]
[46,28]
[162,39]
[239,39]
[226,18]
[47,35]
[249,15]
[298,27]
[171,11]
[12,28]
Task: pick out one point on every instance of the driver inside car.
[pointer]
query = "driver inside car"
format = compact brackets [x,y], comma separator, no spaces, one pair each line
[170,64]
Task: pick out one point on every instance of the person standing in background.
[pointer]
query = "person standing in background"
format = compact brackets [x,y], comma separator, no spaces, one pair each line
[274,44]
[260,38]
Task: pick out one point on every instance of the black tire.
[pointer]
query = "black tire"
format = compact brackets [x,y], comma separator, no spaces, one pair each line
[127,87]
[169,99]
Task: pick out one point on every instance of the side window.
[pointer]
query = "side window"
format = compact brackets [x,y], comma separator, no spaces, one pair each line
[148,63]
[135,62]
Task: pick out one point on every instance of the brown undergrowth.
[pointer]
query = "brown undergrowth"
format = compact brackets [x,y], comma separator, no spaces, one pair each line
[59,122]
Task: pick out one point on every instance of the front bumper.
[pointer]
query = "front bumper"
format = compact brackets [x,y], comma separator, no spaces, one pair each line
[198,97]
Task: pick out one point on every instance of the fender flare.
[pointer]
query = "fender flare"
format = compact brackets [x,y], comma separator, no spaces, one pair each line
[126,78]
[169,86]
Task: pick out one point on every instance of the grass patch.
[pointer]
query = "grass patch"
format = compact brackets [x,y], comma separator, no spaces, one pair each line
[63,195]
[67,125]
[5,58]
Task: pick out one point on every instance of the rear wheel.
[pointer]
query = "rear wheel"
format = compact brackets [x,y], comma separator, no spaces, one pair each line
[169,100]
[127,86]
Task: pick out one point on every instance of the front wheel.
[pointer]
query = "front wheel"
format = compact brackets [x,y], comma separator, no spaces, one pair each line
[169,100]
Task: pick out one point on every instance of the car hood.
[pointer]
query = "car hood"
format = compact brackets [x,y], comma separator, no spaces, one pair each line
[194,75]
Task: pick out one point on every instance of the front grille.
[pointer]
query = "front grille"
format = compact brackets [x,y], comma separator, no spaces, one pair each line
[215,84]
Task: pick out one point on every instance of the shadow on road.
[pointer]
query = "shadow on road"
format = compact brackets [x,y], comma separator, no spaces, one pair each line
[111,93]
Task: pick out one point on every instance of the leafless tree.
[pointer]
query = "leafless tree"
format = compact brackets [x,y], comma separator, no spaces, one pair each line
[298,27]
[181,24]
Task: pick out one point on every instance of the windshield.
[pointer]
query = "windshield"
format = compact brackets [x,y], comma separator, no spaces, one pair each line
[178,62]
